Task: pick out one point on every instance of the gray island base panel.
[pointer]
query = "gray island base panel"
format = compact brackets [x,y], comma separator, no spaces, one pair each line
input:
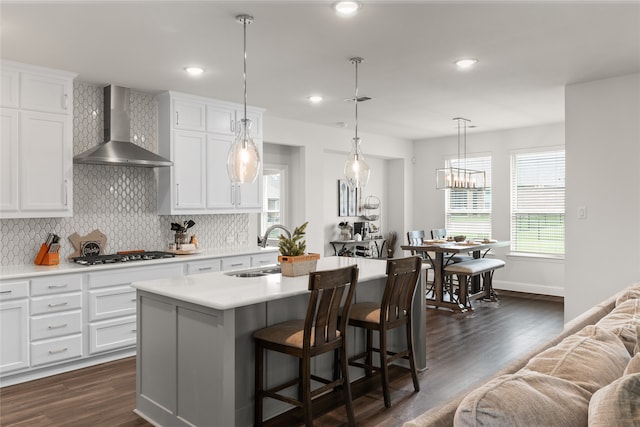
[195,363]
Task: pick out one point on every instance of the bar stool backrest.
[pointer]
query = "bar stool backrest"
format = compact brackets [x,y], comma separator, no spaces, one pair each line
[321,322]
[402,278]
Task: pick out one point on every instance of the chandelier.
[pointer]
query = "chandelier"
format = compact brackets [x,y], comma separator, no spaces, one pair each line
[456,175]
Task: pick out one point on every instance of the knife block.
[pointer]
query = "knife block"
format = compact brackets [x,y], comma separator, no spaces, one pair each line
[45,257]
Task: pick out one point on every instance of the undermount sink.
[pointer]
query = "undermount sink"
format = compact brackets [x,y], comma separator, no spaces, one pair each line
[255,272]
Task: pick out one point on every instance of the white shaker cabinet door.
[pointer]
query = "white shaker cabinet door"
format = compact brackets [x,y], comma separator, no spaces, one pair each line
[9,160]
[48,93]
[221,119]
[45,165]
[189,172]
[14,335]
[221,194]
[188,115]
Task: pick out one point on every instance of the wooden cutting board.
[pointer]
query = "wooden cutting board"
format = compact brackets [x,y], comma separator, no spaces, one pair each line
[92,244]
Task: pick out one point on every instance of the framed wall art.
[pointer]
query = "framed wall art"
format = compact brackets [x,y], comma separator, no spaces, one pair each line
[343,198]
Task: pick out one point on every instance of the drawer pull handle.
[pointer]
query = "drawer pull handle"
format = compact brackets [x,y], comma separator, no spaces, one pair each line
[204,268]
[6,292]
[236,265]
[133,300]
[62,350]
[58,286]
[64,325]
[60,304]
[134,330]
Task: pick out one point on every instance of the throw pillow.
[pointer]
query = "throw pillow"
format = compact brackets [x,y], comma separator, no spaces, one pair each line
[617,404]
[631,292]
[633,367]
[623,321]
[590,358]
[524,399]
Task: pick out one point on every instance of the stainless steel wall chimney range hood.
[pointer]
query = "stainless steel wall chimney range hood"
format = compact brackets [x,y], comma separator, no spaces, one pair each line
[117,148]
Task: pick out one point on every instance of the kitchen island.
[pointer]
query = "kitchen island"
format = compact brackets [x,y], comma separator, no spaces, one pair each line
[195,361]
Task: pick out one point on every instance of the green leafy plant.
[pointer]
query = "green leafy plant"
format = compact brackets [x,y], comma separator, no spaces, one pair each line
[295,245]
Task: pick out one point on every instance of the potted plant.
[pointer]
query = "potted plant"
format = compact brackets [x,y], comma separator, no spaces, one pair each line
[293,260]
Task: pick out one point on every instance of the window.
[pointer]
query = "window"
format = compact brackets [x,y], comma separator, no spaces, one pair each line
[537,202]
[273,182]
[468,212]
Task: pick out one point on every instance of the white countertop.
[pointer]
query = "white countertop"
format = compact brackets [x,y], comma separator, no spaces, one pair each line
[220,291]
[30,270]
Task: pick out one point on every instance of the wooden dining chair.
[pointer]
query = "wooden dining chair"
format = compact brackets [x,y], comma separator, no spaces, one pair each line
[323,330]
[392,312]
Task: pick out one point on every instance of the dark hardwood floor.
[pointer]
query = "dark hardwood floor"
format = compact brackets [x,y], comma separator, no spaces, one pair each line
[462,351]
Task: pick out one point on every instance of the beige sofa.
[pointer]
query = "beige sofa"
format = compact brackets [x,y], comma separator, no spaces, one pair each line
[587,375]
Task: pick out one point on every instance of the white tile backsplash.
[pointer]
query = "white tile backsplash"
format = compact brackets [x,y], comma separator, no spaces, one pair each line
[118,200]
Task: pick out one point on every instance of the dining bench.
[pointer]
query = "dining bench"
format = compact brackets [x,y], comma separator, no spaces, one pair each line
[466,270]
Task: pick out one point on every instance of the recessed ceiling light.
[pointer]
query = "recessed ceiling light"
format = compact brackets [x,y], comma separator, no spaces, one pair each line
[346,8]
[314,99]
[466,63]
[194,71]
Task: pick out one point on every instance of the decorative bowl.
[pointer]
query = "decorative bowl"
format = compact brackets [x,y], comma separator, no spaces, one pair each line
[459,238]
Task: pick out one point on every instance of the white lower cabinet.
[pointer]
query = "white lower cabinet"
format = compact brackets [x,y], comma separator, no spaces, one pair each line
[112,334]
[112,302]
[236,263]
[56,350]
[14,333]
[259,260]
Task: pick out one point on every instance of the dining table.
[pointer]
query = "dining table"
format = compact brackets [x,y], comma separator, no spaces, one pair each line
[439,253]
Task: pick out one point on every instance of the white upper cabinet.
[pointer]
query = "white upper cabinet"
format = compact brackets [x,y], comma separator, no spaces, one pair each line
[188,115]
[196,134]
[37,142]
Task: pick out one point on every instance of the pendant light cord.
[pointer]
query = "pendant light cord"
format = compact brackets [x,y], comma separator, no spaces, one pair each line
[356,61]
[244,74]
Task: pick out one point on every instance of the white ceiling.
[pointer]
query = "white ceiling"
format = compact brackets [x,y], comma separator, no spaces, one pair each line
[527,53]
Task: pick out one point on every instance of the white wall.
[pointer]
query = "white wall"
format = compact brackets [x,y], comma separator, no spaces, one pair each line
[524,274]
[323,151]
[603,163]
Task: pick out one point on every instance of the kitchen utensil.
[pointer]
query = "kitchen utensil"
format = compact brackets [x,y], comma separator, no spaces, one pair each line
[175,226]
[189,224]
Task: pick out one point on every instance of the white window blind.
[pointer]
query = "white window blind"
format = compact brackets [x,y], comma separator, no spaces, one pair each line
[537,202]
[468,212]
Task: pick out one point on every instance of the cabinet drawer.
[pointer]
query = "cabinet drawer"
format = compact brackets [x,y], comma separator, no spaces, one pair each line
[125,276]
[207,266]
[112,302]
[236,263]
[55,350]
[13,290]
[56,284]
[55,303]
[259,260]
[112,334]
[56,325]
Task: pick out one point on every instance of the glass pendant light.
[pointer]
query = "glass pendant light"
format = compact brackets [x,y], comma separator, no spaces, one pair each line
[356,169]
[243,161]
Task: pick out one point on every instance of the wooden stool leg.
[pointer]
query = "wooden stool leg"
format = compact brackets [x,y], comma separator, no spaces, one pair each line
[259,380]
[346,387]
[384,369]
[369,358]
[412,356]
[306,391]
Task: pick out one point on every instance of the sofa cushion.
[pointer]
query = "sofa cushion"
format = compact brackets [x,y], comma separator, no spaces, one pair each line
[630,292]
[617,404]
[633,367]
[624,321]
[591,358]
[525,399]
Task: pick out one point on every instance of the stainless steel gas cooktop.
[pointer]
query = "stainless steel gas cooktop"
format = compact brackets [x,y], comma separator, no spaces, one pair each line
[122,257]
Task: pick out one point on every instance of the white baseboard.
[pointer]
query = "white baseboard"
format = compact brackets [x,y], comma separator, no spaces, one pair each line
[531,288]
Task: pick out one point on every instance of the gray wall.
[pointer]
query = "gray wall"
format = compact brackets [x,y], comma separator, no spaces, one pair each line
[603,175]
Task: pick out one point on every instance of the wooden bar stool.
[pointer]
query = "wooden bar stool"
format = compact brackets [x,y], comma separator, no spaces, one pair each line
[323,330]
[393,312]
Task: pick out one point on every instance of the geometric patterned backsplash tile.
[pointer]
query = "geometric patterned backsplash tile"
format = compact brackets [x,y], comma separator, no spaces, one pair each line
[118,200]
